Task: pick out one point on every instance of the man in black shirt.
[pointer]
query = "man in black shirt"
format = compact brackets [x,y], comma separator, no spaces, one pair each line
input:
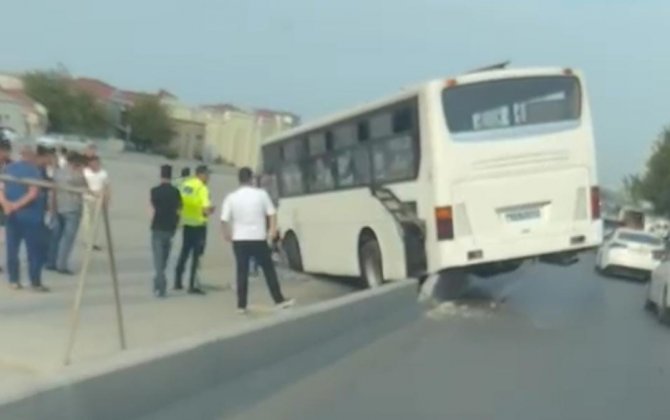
[166,203]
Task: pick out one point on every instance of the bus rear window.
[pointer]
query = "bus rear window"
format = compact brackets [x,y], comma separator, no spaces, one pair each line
[501,104]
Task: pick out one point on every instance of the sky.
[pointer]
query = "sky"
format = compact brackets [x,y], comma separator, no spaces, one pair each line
[313,57]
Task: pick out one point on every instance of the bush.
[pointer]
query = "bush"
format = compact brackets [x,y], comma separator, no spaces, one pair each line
[171,155]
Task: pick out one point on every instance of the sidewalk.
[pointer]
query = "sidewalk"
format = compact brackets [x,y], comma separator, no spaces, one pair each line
[34,327]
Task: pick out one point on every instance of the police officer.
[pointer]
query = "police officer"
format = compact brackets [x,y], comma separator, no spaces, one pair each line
[185,175]
[196,207]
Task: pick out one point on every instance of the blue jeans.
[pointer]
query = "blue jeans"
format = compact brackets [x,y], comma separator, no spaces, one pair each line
[161,244]
[63,236]
[32,232]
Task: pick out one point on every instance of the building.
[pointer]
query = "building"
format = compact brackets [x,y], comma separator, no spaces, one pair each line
[115,101]
[23,115]
[234,135]
[11,81]
[215,133]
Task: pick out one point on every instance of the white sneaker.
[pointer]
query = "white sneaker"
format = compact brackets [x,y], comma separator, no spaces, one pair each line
[287,303]
[241,311]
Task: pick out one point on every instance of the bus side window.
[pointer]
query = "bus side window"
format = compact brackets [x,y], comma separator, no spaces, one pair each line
[381,125]
[321,174]
[402,121]
[344,136]
[362,170]
[292,180]
[345,169]
[363,130]
[317,144]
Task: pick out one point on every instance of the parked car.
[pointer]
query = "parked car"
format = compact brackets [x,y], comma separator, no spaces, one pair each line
[8,133]
[658,292]
[630,252]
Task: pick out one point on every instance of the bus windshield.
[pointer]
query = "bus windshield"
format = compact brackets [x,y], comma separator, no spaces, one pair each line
[508,103]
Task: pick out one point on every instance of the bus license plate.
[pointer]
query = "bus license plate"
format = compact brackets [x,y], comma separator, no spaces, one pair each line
[522,215]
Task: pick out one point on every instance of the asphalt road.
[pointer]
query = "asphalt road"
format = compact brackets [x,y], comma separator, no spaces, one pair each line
[561,343]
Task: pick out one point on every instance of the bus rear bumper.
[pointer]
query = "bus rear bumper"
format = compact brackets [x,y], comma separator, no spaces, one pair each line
[559,250]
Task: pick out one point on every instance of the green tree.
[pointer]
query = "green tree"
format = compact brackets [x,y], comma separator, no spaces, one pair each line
[70,111]
[632,187]
[151,127]
[654,184]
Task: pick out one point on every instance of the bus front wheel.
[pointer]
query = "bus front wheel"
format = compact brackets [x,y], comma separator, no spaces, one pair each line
[292,250]
[371,263]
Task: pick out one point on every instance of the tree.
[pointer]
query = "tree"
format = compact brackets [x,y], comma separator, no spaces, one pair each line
[151,127]
[632,186]
[654,184]
[70,111]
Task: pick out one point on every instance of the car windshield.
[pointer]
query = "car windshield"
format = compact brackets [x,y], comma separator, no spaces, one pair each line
[640,238]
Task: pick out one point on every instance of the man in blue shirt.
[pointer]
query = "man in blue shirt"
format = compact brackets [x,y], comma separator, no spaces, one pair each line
[25,207]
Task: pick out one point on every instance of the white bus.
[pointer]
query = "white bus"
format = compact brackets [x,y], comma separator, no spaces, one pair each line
[477,172]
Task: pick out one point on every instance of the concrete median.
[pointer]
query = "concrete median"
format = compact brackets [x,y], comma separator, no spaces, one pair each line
[140,382]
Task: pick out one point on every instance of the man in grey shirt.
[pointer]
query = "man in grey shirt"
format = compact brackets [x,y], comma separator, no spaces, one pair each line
[68,210]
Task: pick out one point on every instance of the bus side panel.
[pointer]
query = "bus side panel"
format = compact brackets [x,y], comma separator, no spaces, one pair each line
[328,230]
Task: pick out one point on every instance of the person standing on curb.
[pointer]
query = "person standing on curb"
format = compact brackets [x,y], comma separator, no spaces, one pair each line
[25,207]
[166,204]
[5,159]
[244,216]
[196,207]
[98,182]
[68,208]
[185,174]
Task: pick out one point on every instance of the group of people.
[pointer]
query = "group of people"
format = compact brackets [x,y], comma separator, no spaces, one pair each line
[47,219]
[248,220]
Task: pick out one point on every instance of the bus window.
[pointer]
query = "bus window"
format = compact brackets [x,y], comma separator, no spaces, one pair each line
[292,182]
[345,169]
[344,136]
[381,125]
[363,131]
[293,150]
[394,159]
[502,104]
[402,121]
[321,175]
[317,144]
[362,170]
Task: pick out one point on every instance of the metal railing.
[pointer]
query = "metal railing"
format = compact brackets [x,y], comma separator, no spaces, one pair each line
[101,211]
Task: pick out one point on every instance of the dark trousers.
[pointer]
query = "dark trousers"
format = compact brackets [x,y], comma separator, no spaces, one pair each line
[260,252]
[161,244]
[32,232]
[193,245]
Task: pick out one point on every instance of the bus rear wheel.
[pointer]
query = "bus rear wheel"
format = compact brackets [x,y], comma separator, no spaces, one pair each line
[292,250]
[370,258]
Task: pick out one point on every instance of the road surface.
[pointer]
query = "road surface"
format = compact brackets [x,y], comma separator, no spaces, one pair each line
[563,344]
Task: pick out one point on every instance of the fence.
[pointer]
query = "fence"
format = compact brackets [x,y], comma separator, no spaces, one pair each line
[101,211]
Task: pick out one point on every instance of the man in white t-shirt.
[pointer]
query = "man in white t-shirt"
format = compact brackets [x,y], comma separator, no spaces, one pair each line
[244,216]
[98,182]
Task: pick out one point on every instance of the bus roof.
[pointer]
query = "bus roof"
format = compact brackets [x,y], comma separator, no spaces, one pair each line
[409,92]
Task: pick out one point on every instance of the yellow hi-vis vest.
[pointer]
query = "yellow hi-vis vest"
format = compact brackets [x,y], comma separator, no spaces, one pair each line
[195,202]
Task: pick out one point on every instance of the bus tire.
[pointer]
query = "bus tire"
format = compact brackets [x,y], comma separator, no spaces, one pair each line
[292,250]
[370,259]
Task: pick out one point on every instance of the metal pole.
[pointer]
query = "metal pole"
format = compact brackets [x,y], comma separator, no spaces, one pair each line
[115,278]
[83,273]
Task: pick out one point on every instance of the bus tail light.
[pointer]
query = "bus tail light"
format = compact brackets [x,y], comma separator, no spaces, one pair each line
[595,203]
[444,220]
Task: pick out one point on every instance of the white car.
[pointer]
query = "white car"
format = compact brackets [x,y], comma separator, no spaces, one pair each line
[658,292]
[630,252]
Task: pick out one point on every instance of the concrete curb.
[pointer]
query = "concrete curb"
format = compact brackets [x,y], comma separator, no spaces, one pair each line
[139,382]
